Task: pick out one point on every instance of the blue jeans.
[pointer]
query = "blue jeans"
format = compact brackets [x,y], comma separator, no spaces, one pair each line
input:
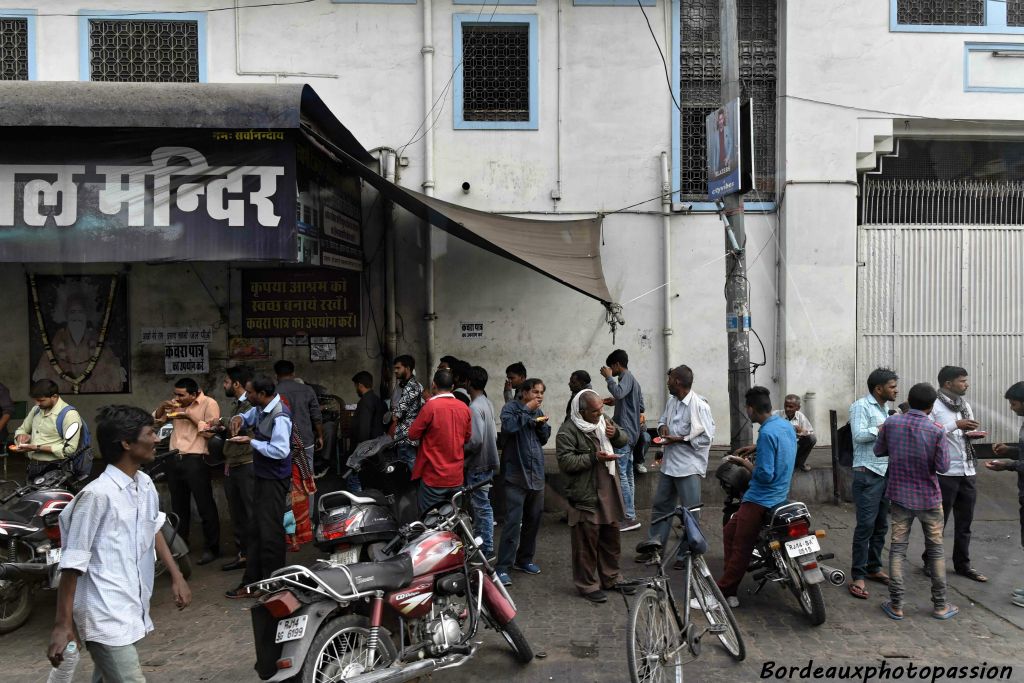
[523,510]
[429,496]
[625,465]
[115,664]
[407,453]
[483,515]
[672,491]
[872,523]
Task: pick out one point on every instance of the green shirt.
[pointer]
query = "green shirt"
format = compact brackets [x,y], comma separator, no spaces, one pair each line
[41,426]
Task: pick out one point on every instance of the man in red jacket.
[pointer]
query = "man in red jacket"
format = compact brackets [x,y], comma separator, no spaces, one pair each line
[443,427]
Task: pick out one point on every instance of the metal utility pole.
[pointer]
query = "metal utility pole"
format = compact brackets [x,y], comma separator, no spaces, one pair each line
[736,303]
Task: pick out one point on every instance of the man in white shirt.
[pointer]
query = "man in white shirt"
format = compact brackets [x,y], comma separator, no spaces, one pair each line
[687,429]
[805,438]
[110,533]
[959,494]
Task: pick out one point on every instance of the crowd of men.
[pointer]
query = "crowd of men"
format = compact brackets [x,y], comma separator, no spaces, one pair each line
[915,463]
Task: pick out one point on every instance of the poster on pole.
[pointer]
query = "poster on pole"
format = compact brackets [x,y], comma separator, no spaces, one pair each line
[730,149]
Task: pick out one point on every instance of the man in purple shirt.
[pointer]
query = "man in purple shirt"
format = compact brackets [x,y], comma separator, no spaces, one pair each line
[916,449]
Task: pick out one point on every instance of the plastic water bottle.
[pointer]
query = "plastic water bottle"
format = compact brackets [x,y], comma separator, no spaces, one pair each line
[65,673]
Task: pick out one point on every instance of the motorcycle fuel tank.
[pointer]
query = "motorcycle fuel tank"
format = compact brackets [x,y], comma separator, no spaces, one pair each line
[435,551]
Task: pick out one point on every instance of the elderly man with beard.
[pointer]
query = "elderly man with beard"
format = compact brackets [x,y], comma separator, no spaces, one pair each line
[585,446]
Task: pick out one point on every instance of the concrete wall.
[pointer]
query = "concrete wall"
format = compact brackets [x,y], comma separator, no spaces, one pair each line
[599,138]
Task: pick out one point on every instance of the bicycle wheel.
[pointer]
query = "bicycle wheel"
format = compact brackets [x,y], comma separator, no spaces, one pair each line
[716,609]
[652,634]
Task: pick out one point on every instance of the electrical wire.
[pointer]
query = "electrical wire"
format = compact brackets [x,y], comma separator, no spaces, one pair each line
[664,62]
[126,13]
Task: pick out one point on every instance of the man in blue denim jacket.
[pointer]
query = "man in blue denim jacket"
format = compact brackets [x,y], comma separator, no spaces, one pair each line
[869,481]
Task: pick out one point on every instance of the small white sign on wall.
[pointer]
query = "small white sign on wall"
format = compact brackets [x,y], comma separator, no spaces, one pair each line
[471,330]
[186,359]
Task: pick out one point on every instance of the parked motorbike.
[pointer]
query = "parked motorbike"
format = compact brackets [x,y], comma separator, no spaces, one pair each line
[787,551]
[355,527]
[391,621]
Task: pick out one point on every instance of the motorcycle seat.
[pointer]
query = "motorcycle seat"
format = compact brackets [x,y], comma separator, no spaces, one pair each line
[388,575]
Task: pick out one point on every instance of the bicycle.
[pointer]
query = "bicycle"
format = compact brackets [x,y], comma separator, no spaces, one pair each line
[657,632]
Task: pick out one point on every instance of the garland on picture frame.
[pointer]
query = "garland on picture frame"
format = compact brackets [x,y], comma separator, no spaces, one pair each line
[75,382]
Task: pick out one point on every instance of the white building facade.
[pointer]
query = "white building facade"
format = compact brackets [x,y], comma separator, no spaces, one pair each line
[567,108]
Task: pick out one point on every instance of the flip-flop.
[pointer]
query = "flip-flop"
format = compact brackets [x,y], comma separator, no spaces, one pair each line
[951,611]
[974,575]
[880,577]
[858,592]
[887,608]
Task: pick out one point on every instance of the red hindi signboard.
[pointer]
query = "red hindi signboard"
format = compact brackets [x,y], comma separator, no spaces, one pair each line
[323,302]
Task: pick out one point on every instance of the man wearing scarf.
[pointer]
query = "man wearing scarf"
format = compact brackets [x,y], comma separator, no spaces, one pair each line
[585,446]
[954,415]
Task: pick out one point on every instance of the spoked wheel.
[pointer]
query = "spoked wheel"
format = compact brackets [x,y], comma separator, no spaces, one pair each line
[515,639]
[716,609]
[812,603]
[652,635]
[15,605]
[340,651]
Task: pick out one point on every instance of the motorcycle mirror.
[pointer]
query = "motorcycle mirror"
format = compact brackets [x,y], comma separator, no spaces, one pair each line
[71,430]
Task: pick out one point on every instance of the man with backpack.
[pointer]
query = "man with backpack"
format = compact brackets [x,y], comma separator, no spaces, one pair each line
[41,435]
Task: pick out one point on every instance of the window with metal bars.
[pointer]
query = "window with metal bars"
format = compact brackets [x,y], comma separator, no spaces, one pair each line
[143,50]
[13,49]
[941,12]
[1015,12]
[700,63]
[496,72]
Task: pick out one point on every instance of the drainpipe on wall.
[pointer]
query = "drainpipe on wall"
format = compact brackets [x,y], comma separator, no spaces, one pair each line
[428,171]
[391,333]
[666,250]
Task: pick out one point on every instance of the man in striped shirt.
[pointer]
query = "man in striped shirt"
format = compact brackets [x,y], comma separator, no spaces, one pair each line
[109,534]
[916,449]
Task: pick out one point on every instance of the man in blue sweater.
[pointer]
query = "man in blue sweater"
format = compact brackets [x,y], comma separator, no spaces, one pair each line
[770,477]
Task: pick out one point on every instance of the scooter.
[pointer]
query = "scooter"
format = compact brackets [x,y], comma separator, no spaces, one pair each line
[354,527]
[391,621]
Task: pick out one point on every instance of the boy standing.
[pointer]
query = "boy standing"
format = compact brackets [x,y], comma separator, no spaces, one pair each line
[110,532]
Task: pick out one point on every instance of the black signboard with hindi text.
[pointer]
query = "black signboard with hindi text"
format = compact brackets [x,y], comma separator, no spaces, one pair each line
[289,301]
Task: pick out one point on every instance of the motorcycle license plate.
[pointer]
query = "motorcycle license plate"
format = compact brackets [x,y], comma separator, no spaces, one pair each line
[350,556]
[802,546]
[53,556]
[292,628]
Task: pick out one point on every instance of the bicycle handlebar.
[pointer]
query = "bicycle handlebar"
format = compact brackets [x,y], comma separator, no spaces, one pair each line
[678,512]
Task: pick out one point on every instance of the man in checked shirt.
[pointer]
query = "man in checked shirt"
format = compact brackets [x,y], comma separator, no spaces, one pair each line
[916,449]
[110,538]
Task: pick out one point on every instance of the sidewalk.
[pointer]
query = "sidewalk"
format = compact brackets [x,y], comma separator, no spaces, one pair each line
[211,640]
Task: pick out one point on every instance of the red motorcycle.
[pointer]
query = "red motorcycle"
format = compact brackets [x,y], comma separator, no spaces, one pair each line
[389,621]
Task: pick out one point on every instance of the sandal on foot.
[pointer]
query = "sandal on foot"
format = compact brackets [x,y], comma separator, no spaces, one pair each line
[951,611]
[974,575]
[891,613]
[858,591]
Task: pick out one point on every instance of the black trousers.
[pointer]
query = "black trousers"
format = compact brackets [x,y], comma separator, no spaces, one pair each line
[804,444]
[188,476]
[958,496]
[238,487]
[266,548]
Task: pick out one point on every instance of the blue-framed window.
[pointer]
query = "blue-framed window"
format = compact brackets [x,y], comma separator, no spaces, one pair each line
[613,3]
[697,89]
[496,72]
[143,47]
[18,45]
[957,16]
[991,80]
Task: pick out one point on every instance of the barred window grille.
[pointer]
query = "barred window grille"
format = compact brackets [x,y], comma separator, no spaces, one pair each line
[13,49]
[700,88]
[496,72]
[1015,12]
[144,50]
[940,12]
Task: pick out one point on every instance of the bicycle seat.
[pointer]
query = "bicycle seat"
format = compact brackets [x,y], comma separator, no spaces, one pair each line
[648,547]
